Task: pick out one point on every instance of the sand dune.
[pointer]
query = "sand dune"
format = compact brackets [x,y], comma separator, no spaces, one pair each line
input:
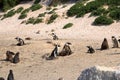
[33,67]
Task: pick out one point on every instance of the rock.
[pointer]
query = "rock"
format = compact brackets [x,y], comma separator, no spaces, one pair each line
[100,73]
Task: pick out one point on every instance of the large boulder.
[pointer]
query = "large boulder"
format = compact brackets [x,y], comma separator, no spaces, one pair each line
[100,73]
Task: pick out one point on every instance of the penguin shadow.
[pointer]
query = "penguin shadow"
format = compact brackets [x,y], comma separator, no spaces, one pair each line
[49,42]
[114,54]
[98,49]
[3,60]
[47,56]
[89,53]
[19,44]
[114,47]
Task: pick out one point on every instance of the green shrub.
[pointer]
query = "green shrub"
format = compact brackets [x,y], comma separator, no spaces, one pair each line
[9,14]
[75,9]
[97,12]
[115,14]
[80,14]
[30,20]
[33,20]
[36,1]
[96,9]
[35,7]
[38,20]
[80,9]
[8,4]
[111,8]
[93,5]
[103,20]
[25,11]
[68,25]
[42,15]
[52,18]
[109,2]
[19,9]
[22,16]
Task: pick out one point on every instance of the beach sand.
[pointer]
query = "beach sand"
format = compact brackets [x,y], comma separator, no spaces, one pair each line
[33,67]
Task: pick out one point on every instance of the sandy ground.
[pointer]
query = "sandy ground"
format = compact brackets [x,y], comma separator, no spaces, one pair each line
[33,67]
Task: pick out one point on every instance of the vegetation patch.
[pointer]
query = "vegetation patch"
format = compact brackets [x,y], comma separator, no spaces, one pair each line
[38,20]
[35,7]
[42,15]
[98,12]
[36,1]
[22,16]
[25,11]
[30,20]
[52,18]
[9,14]
[19,9]
[115,14]
[96,8]
[8,4]
[68,25]
[33,20]
[75,9]
[103,20]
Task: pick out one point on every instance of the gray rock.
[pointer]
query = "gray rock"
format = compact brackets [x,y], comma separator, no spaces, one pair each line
[100,73]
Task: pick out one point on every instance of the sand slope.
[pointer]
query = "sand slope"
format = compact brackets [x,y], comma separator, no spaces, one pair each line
[33,67]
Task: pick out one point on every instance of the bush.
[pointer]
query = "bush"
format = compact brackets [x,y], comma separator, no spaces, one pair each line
[41,15]
[33,20]
[7,4]
[9,14]
[38,20]
[111,8]
[36,1]
[109,2]
[74,9]
[52,18]
[80,9]
[35,7]
[80,14]
[30,20]
[103,20]
[68,25]
[93,5]
[22,16]
[97,12]
[25,11]
[96,9]
[115,14]
[19,9]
